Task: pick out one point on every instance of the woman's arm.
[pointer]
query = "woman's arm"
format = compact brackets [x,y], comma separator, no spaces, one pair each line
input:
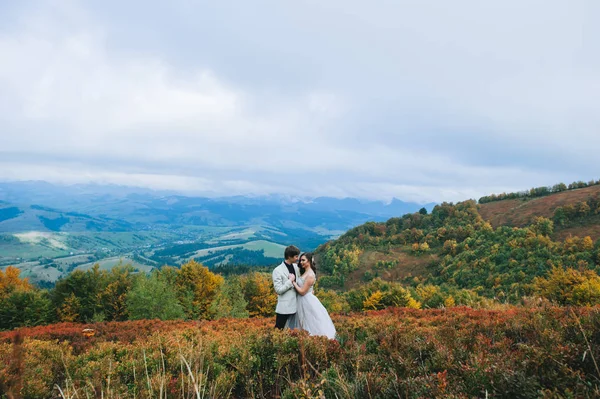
[310,280]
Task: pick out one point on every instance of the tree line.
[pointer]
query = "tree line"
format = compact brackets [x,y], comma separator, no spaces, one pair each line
[191,292]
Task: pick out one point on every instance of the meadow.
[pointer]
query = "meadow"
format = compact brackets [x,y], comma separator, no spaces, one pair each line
[532,351]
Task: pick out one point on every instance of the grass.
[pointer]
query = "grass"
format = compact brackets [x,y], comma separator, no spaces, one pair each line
[520,212]
[408,265]
[109,263]
[271,249]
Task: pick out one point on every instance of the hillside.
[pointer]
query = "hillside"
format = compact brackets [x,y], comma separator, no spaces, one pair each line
[497,248]
[521,212]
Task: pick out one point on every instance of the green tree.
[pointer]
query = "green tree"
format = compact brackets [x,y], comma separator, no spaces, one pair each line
[152,297]
[559,187]
[543,226]
[82,290]
[230,301]
[25,308]
[116,285]
[560,216]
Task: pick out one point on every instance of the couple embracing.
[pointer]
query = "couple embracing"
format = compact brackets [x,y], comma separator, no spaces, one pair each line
[297,307]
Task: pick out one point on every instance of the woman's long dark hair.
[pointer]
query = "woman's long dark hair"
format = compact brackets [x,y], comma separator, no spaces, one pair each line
[310,258]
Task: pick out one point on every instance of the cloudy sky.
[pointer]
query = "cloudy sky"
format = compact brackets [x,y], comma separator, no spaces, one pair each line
[418,100]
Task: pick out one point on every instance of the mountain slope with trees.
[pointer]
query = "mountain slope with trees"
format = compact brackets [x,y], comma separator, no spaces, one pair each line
[502,249]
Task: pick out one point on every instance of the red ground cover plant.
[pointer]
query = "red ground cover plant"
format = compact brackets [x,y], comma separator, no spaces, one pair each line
[510,352]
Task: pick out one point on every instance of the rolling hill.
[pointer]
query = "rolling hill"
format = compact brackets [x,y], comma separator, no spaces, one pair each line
[521,212]
[495,247]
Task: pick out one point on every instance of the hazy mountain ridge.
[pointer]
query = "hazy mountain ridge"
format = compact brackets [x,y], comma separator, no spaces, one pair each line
[135,209]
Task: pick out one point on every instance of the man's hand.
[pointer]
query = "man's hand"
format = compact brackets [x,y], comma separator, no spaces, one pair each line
[292,277]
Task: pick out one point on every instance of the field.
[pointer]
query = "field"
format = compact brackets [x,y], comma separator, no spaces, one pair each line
[109,263]
[509,352]
[271,249]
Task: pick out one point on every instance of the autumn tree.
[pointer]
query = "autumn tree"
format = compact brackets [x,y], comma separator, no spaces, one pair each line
[259,293]
[77,296]
[70,309]
[10,282]
[569,286]
[543,226]
[113,292]
[21,304]
[197,287]
[333,301]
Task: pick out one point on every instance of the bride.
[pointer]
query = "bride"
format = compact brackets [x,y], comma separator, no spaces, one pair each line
[311,314]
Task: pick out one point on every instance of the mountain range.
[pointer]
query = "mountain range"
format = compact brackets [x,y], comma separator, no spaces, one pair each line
[48,230]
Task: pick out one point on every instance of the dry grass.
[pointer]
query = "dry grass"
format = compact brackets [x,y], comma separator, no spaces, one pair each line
[408,265]
[580,231]
[521,212]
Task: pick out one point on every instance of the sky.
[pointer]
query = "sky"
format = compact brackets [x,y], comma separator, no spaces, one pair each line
[424,101]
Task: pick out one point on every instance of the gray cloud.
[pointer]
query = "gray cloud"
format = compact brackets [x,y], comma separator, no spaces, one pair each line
[426,101]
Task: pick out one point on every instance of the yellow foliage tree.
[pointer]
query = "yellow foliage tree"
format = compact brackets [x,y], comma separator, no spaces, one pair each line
[413,303]
[114,296]
[10,281]
[373,301]
[197,287]
[587,244]
[333,302]
[259,293]
[450,247]
[426,292]
[569,287]
[69,311]
[449,302]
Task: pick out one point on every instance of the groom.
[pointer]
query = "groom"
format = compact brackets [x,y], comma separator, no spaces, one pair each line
[283,276]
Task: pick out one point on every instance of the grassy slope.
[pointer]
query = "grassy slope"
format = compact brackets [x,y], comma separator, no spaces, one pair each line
[408,265]
[520,212]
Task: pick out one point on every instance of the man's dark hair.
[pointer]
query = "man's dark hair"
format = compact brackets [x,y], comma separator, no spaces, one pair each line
[291,251]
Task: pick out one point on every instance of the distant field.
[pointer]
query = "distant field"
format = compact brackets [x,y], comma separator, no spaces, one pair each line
[69,260]
[36,272]
[35,245]
[42,273]
[109,263]
[236,235]
[272,250]
[10,252]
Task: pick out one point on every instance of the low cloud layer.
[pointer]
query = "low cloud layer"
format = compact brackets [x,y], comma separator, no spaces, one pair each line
[420,101]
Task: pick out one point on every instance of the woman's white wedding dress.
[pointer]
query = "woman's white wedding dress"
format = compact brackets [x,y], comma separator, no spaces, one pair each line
[311,314]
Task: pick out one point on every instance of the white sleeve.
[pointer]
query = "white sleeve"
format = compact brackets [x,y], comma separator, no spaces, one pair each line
[280,287]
